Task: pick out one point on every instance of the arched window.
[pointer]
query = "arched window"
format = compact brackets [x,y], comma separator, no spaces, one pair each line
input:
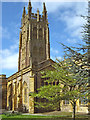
[41,51]
[25,92]
[34,33]
[34,50]
[40,33]
[10,96]
[44,34]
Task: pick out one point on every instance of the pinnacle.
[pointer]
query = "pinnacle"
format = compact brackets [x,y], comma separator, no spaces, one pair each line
[29,3]
[24,12]
[37,10]
[44,7]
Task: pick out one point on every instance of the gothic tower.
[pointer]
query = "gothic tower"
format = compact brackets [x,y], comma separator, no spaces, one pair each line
[34,46]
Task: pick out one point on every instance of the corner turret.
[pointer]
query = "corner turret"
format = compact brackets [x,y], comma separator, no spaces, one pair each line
[38,17]
[24,13]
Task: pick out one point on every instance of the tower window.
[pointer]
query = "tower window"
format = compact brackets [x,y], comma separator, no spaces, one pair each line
[45,34]
[40,33]
[35,50]
[41,51]
[34,33]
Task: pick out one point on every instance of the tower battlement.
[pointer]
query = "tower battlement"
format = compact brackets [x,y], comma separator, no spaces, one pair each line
[34,16]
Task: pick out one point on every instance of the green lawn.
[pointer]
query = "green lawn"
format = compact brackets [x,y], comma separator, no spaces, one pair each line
[37,117]
[59,116]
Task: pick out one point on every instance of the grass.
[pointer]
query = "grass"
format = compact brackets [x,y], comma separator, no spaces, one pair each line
[44,116]
[44,119]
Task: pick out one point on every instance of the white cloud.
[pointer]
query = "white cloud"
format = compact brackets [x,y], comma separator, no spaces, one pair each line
[55,6]
[72,19]
[4,32]
[9,58]
[9,62]
[72,41]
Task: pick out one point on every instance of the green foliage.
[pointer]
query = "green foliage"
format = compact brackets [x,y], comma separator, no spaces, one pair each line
[11,113]
[49,97]
[69,87]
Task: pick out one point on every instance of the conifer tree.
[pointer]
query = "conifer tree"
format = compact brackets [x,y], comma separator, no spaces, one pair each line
[81,54]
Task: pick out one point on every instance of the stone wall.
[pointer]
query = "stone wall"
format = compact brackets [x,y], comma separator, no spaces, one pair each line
[3,91]
[18,88]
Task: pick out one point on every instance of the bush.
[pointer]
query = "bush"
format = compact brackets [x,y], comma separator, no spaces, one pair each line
[13,113]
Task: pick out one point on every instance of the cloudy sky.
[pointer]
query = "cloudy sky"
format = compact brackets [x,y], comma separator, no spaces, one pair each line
[64,23]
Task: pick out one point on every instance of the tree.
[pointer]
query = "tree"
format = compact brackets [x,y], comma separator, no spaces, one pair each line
[81,54]
[73,73]
[69,86]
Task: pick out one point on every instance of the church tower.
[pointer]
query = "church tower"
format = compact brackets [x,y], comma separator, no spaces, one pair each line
[34,46]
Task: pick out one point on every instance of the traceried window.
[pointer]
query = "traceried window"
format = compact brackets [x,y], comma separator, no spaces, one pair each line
[25,93]
[34,33]
[14,87]
[35,62]
[34,50]
[18,92]
[40,51]
[23,53]
[45,34]
[40,34]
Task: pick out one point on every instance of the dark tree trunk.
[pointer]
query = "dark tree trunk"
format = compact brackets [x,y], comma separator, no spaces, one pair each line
[74,109]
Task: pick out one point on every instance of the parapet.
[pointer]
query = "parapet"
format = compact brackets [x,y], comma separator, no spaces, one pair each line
[3,79]
[3,76]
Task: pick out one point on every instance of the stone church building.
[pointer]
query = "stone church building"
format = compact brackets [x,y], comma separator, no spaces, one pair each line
[34,56]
